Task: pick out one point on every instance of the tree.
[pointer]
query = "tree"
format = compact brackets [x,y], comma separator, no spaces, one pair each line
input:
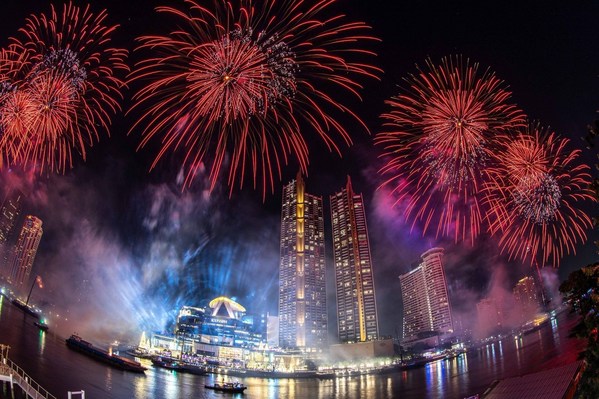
[582,288]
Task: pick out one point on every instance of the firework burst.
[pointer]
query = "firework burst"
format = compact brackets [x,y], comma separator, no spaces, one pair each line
[68,92]
[532,191]
[442,132]
[235,84]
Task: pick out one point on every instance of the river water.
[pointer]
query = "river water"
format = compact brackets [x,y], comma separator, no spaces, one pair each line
[46,358]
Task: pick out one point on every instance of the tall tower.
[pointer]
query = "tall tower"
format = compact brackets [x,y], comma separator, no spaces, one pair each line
[356,302]
[21,259]
[302,284]
[11,208]
[425,297]
[527,297]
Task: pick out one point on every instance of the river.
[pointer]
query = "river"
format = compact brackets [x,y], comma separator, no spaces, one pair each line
[46,358]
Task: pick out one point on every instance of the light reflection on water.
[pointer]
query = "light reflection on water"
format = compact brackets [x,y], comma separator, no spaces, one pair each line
[60,369]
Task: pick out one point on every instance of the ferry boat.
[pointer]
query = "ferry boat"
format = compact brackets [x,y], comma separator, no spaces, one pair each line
[25,308]
[230,387]
[76,343]
[174,364]
[41,325]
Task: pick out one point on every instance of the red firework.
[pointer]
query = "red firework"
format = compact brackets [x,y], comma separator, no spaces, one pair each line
[69,91]
[532,193]
[234,85]
[441,134]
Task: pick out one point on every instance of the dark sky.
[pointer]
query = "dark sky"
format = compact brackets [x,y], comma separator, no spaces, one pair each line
[136,234]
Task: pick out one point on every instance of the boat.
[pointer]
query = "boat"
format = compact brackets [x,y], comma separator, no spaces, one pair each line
[229,387]
[25,308]
[193,369]
[168,363]
[76,343]
[41,325]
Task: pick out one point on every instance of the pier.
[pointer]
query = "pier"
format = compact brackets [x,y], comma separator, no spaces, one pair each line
[12,374]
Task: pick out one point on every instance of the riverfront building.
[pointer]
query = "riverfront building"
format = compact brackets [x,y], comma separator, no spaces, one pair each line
[21,259]
[354,278]
[527,298]
[9,212]
[302,284]
[223,322]
[425,298]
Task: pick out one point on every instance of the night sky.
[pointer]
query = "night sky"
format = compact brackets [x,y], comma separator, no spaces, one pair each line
[122,245]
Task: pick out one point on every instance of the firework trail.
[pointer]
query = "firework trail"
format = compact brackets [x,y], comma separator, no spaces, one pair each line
[441,134]
[234,84]
[67,87]
[532,193]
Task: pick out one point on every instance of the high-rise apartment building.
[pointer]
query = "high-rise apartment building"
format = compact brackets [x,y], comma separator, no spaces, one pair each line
[23,255]
[354,278]
[527,297]
[11,208]
[425,297]
[302,284]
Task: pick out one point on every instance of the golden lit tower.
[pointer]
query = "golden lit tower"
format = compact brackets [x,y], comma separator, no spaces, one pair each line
[356,301]
[302,284]
[21,259]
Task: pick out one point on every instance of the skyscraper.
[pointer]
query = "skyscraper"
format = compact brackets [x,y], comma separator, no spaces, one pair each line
[527,298]
[302,284]
[11,208]
[425,297]
[21,259]
[354,278]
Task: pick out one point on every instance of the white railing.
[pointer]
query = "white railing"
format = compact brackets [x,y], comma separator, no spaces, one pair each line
[11,372]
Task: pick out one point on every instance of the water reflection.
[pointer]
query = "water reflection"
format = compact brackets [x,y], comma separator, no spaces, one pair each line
[463,376]
[42,342]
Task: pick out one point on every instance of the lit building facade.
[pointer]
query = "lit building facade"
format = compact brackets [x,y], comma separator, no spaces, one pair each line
[354,278]
[11,208]
[21,259]
[223,322]
[302,284]
[527,297]
[425,297]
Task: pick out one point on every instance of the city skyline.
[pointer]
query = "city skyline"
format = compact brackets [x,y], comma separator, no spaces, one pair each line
[117,220]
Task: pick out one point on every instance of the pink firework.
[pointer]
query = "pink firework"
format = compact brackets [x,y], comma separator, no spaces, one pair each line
[534,193]
[234,84]
[441,133]
[71,85]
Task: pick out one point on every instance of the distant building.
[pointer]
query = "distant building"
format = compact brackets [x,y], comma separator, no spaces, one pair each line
[527,297]
[354,276]
[21,259]
[302,285]
[272,331]
[425,298]
[9,212]
[490,316]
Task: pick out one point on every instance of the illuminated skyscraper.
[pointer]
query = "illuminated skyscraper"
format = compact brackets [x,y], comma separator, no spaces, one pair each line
[425,299]
[11,208]
[527,297]
[302,284]
[356,302]
[21,259]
